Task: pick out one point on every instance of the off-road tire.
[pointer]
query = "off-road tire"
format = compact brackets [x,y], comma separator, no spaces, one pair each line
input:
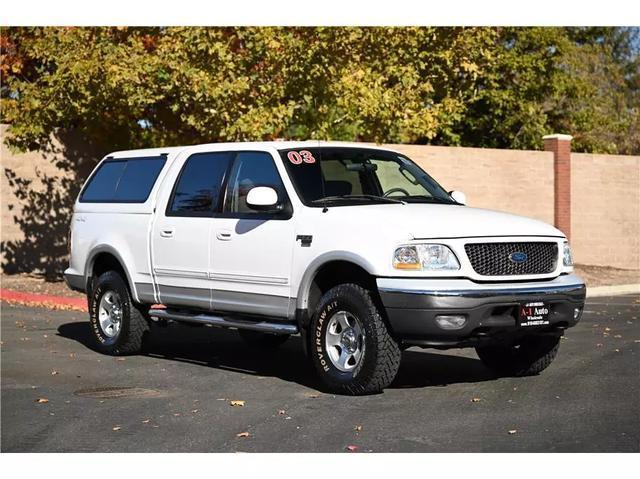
[527,357]
[381,358]
[134,324]
[256,339]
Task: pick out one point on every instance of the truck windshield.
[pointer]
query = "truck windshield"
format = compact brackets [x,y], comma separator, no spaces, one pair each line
[344,176]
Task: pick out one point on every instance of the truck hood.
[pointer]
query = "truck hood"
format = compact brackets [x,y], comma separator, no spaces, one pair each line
[425,221]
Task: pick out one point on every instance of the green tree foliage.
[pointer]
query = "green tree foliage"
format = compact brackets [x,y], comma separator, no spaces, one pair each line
[496,87]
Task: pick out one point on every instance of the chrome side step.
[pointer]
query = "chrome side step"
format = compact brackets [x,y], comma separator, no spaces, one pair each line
[225,322]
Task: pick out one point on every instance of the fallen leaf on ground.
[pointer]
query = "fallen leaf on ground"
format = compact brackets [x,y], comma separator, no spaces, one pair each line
[357,428]
[146,421]
[243,434]
[513,431]
[476,400]
[116,428]
[237,402]
[42,400]
[352,448]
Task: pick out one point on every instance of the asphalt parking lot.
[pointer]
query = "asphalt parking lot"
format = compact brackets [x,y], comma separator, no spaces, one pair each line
[59,395]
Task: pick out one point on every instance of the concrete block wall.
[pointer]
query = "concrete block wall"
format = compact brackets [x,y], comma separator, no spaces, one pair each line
[601,211]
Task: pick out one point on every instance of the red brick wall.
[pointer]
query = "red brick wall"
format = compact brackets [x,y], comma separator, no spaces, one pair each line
[560,146]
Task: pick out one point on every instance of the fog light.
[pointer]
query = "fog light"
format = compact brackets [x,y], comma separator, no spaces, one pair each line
[576,313]
[451,322]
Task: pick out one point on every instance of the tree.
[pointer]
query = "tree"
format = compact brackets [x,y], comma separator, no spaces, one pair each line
[582,81]
[499,87]
[127,88]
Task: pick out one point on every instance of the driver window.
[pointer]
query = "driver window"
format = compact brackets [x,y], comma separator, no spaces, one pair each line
[251,169]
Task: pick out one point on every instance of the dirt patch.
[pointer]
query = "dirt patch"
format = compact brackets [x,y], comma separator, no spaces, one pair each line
[603,276]
[28,283]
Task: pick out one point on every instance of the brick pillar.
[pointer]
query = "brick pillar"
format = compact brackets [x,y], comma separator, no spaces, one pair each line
[560,145]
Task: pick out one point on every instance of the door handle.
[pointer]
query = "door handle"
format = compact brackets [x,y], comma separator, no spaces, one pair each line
[166,233]
[223,235]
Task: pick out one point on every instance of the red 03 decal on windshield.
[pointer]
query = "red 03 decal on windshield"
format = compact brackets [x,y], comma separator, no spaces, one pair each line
[299,157]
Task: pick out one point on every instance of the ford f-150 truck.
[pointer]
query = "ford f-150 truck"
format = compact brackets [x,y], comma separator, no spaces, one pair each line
[353,248]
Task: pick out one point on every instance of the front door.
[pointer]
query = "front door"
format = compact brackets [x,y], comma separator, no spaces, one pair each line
[182,231]
[252,251]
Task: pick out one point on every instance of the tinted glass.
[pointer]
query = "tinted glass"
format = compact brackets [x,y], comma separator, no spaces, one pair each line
[198,189]
[138,178]
[345,174]
[102,186]
[251,169]
[123,180]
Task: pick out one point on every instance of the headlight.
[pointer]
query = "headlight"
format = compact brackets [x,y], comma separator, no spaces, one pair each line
[426,257]
[567,260]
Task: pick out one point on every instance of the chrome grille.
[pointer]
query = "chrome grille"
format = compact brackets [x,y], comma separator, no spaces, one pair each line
[497,259]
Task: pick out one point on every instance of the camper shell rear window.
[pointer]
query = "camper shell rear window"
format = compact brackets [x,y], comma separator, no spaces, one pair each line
[123,180]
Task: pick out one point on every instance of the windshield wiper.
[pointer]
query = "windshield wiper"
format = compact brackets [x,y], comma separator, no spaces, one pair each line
[357,198]
[430,199]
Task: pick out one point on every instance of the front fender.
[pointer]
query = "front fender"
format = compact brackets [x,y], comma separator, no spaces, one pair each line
[302,298]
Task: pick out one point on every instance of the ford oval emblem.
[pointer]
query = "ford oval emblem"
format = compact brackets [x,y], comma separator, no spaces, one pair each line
[518,257]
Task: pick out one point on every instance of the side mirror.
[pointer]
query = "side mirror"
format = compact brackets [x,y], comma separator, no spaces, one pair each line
[262,198]
[458,196]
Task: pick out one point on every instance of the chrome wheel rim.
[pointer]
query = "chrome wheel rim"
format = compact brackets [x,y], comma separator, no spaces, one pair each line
[344,341]
[110,314]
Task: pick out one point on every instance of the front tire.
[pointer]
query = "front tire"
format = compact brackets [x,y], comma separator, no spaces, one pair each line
[527,357]
[350,345]
[117,323]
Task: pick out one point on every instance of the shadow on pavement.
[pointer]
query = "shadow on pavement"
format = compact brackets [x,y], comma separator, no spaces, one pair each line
[225,350]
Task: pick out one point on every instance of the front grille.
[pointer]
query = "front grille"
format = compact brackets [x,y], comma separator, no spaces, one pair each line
[497,259]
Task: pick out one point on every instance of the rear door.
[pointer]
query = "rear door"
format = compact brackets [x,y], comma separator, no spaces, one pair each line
[252,251]
[181,232]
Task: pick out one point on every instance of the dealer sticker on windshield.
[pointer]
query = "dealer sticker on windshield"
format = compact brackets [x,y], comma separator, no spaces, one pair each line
[534,314]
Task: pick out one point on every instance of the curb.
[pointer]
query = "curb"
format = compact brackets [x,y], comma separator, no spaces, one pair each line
[43,300]
[613,290]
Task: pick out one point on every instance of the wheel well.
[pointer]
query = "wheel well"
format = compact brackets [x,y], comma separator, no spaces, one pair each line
[104,262]
[334,273]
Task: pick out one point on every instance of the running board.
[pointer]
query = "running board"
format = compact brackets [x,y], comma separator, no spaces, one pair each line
[225,322]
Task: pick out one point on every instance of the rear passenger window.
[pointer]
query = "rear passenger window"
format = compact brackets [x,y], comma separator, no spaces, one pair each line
[127,180]
[197,190]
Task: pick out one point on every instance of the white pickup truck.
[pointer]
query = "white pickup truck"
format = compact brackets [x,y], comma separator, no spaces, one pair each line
[353,247]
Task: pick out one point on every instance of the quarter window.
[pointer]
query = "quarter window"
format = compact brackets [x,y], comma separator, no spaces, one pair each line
[197,191]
